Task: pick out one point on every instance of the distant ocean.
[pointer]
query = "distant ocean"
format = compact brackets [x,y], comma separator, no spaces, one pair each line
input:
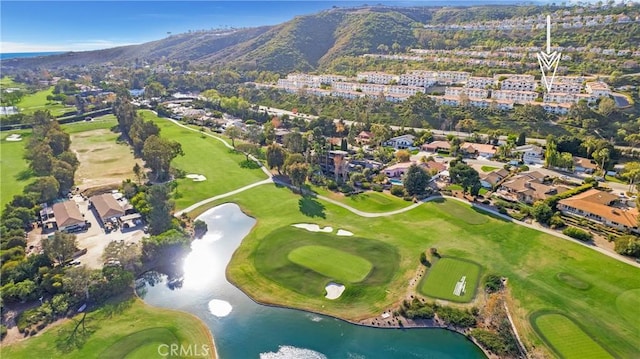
[14,55]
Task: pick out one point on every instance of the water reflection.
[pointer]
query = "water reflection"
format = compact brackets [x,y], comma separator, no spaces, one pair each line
[244,329]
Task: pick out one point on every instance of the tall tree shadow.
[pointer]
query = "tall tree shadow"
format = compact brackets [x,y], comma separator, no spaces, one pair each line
[24,175]
[310,207]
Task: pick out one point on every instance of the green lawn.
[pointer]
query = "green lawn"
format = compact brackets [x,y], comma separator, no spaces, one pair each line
[134,330]
[7,82]
[531,261]
[566,338]
[369,201]
[38,101]
[206,156]
[453,187]
[332,263]
[306,261]
[14,171]
[488,168]
[441,279]
[98,123]
[615,179]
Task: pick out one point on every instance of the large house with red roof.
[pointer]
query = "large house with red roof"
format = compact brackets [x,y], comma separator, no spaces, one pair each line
[598,206]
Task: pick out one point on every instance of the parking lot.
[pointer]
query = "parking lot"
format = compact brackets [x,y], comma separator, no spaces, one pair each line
[94,238]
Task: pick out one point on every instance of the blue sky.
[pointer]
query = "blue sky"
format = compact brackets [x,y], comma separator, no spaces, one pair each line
[35,26]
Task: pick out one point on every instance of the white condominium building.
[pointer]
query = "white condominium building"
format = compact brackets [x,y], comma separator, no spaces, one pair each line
[516,84]
[452,77]
[520,97]
[418,78]
[375,77]
[598,89]
[470,92]
[480,82]
[566,87]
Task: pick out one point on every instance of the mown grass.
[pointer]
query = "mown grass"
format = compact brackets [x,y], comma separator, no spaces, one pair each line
[98,123]
[566,338]
[332,263]
[206,156]
[7,82]
[488,168]
[14,170]
[132,330]
[529,259]
[369,201]
[286,257]
[38,101]
[441,279]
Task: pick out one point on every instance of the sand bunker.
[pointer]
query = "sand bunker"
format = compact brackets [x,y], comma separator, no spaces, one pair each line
[342,232]
[14,137]
[313,227]
[196,177]
[334,290]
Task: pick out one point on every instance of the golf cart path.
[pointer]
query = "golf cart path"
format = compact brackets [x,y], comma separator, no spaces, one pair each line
[390,213]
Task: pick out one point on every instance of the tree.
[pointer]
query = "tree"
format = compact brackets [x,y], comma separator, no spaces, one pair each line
[380,133]
[253,134]
[628,245]
[275,156]
[158,154]
[128,254]
[58,140]
[522,139]
[45,188]
[632,173]
[161,206]
[542,212]
[467,125]
[415,181]
[199,228]
[403,156]
[60,247]
[233,132]
[248,149]
[465,176]
[138,172]
[154,89]
[76,281]
[589,143]
[602,156]
[63,173]
[292,159]
[41,157]
[298,174]
[606,106]
[294,142]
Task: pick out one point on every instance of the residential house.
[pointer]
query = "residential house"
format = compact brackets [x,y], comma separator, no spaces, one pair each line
[401,142]
[470,92]
[375,77]
[478,149]
[106,207]
[364,138]
[491,179]
[418,78]
[68,216]
[531,154]
[528,188]
[480,82]
[519,97]
[597,206]
[437,146]
[397,170]
[585,165]
[598,89]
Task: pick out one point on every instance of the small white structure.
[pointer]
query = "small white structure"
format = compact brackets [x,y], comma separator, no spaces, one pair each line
[461,285]
[401,142]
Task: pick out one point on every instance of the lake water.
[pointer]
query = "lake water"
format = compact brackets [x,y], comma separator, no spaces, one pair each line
[244,329]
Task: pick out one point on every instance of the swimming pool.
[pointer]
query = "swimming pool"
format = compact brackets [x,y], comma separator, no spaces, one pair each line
[396,182]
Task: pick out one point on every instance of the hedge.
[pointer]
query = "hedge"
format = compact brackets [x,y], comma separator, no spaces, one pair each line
[577,233]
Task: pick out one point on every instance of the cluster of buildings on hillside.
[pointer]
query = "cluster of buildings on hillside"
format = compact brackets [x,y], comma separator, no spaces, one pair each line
[564,19]
[502,91]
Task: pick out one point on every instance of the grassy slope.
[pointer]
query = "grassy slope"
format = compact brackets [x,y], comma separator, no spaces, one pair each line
[111,329]
[7,82]
[441,279]
[567,338]
[98,123]
[530,260]
[38,101]
[14,171]
[369,201]
[206,156]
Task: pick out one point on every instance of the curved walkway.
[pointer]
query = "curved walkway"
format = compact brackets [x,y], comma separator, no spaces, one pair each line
[390,213]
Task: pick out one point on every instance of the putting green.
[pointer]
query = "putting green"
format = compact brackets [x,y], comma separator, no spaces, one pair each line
[566,338]
[331,262]
[305,261]
[442,279]
[627,305]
